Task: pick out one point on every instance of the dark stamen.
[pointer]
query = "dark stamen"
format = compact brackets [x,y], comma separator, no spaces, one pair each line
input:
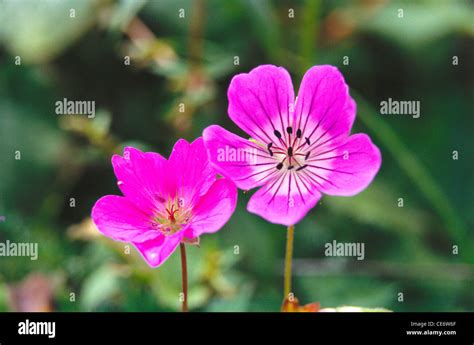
[307,141]
[307,155]
[269,146]
[279,166]
[298,133]
[277,134]
[290,167]
[301,168]
[290,151]
[289,130]
[270,151]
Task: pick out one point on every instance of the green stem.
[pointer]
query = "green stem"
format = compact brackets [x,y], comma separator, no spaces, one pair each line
[288,258]
[196,32]
[184,277]
[308,33]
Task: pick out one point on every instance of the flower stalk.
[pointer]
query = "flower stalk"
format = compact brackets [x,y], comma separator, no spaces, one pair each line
[184,277]
[288,260]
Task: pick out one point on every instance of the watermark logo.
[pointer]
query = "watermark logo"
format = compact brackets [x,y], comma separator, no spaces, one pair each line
[232,154]
[37,328]
[66,107]
[355,249]
[8,248]
[391,107]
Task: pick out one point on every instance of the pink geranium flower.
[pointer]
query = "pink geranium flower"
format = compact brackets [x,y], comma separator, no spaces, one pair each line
[165,202]
[299,148]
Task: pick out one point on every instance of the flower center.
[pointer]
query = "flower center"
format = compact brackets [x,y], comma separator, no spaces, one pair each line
[173,218]
[291,150]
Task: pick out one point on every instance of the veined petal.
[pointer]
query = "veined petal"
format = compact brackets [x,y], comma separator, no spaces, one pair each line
[260,102]
[120,219]
[324,109]
[157,250]
[142,177]
[346,168]
[214,208]
[244,162]
[191,171]
[286,200]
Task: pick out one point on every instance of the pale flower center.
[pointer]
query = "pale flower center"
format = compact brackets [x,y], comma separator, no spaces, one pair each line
[173,218]
[291,150]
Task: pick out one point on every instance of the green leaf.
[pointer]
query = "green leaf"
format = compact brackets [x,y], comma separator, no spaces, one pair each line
[39,30]
[124,12]
[99,287]
[421,22]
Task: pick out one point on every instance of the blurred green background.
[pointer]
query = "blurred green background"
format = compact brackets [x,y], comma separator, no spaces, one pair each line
[190,60]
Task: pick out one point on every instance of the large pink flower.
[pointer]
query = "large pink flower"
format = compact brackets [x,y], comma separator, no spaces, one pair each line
[299,148]
[165,201]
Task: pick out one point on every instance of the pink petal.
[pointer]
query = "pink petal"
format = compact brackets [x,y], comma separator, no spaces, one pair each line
[240,160]
[345,168]
[121,220]
[191,170]
[286,200]
[157,250]
[324,109]
[215,208]
[142,177]
[260,102]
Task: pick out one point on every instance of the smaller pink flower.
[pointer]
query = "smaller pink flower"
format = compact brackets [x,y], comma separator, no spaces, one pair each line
[165,202]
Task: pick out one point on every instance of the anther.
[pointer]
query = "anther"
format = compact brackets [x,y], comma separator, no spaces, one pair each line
[290,151]
[290,167]
[307,155]
[301,167]
[269,147]
[277,134]
[279,166]
[307,141]
[289,130]
[298,133]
